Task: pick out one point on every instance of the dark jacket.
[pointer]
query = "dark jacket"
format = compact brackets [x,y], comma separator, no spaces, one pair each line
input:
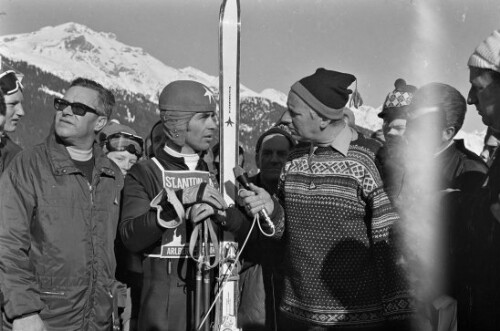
[392,172]
[261,275]
[479,293]
[168,284]
[56,238]
[138,227]
[8,149]
[460,168]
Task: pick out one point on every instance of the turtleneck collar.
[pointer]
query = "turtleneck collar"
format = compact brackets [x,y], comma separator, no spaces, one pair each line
[191,160]
[79,155]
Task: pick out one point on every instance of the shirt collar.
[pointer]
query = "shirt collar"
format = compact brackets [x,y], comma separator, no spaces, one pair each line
[342,142]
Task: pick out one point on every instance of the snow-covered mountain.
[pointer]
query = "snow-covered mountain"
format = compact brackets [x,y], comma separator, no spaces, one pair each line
[474,141]
[275,96]
[72,49]
[366,117]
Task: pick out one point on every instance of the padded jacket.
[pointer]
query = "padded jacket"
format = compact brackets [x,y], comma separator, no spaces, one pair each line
[57,233]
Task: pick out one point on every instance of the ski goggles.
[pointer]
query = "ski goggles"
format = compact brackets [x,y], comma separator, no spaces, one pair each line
[76,107]
[122,141]
[9,83]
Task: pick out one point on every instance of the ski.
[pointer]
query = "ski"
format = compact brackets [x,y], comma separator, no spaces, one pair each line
[229,101]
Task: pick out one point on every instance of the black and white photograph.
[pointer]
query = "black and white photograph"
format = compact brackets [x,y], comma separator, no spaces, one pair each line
[249,165]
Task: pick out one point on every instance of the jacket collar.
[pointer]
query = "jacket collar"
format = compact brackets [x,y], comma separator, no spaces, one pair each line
[62,164]
[168,159]
[4,140]
[447,150]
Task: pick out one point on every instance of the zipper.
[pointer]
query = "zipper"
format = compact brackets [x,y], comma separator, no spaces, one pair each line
[93,275]
[59,293]
[91,190]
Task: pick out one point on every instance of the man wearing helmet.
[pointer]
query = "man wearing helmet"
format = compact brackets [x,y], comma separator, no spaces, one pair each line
[187,110]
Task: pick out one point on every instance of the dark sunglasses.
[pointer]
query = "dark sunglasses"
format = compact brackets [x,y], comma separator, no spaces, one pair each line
[9,83]
[122,141]
[76,107]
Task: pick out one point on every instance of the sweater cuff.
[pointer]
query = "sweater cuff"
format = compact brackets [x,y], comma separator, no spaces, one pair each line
[276,208]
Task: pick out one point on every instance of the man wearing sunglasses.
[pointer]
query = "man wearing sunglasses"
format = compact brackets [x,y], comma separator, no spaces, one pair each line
[59,209]
[11,87]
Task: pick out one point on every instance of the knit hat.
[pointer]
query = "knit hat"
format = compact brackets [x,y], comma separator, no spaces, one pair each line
[325,91]
[275,130]
[487,54]
[396,103]
[178,102]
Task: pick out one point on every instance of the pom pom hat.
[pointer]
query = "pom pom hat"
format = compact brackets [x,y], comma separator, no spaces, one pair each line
[396,103]
[178,102]
[487,54]
[325,91]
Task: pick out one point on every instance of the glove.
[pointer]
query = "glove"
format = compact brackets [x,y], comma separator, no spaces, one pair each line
[201,193]
[201,211]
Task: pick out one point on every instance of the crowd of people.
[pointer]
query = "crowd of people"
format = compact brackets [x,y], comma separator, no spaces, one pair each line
[399,231]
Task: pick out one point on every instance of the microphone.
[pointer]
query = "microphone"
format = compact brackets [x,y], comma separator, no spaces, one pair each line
[242,178]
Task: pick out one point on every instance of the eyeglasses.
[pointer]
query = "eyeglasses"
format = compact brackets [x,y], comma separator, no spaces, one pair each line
[76,107]
[9,83]
[122,141]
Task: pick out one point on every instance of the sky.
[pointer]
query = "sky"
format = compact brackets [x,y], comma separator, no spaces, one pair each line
[282,41]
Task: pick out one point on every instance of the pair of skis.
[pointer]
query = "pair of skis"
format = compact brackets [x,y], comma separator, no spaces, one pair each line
[229,100]
[227,289]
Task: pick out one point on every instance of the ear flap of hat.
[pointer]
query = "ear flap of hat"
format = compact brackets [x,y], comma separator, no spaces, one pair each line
[175,127]
[178,102]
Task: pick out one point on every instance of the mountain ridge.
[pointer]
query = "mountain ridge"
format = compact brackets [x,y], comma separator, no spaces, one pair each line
[71,48]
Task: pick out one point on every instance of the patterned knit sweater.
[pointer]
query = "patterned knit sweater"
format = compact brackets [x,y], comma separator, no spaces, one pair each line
[335,220]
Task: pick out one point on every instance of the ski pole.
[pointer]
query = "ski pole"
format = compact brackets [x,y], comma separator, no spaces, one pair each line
[206,273]
[197,300]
